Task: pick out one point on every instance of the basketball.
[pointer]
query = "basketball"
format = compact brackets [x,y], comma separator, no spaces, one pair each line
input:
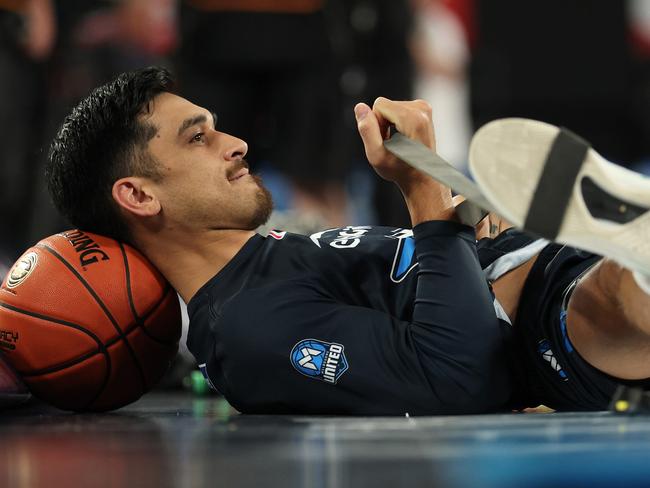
[87,322]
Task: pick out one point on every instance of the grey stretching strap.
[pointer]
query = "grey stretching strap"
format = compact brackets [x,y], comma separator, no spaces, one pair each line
[472,210]
[555,185]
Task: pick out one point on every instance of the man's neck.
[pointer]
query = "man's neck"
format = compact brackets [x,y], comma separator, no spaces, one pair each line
[188,263]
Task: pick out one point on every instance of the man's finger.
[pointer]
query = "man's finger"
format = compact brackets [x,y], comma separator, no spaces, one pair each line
[369,130]
[388,112]
[411,118]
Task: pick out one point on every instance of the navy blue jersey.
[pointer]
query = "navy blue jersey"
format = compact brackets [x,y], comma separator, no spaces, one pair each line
[354,320]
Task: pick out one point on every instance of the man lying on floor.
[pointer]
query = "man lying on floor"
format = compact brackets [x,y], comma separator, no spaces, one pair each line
[357,320]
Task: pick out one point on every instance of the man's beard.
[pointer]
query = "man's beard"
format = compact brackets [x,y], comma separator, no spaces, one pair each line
[264,205]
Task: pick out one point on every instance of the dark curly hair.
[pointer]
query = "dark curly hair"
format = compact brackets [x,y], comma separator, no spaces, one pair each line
[101,140]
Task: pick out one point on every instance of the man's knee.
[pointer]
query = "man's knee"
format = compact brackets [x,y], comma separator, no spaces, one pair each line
[608,321]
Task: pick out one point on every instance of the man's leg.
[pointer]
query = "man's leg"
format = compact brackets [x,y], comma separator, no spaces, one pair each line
[550,183]
[608,321]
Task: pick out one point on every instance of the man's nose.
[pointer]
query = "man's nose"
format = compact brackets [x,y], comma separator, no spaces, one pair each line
[235,148]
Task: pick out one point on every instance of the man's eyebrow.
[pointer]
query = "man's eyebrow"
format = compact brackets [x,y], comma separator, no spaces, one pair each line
[189,122]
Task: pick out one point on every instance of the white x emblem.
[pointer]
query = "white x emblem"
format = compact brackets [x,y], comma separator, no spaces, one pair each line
[307,355]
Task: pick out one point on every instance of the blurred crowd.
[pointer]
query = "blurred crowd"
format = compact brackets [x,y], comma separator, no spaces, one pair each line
[285,74]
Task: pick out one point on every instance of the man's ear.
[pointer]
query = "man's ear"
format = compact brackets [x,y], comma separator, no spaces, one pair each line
[135,196]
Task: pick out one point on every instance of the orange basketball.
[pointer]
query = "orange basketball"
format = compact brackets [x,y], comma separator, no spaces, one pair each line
[87,322]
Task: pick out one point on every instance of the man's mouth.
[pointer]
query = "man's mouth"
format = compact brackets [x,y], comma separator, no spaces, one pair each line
[239,172]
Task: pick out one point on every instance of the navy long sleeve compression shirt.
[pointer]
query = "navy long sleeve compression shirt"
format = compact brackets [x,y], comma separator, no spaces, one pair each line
[355,320]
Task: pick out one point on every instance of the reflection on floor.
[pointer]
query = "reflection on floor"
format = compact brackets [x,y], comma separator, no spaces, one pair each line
[180,440]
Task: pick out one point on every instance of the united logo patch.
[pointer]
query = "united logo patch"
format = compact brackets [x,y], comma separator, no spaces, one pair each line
[320,360]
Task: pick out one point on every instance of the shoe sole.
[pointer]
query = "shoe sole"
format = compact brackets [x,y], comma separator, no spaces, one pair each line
[506,159]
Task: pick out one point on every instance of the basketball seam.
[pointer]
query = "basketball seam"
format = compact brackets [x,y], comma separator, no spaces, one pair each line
[128,284]
[141,321]
[78,359]
[149,313]
[101,347]
[60,366]
[143,382]
[101,304]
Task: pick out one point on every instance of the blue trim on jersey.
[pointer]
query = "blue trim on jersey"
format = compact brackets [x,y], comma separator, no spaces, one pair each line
[406,256]
[204,371]
[404,260]
[567,343]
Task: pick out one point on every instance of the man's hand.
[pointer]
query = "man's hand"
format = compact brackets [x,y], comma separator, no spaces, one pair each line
[413,119]
[425,198]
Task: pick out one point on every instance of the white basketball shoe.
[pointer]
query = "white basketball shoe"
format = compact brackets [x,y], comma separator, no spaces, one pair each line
[548,181]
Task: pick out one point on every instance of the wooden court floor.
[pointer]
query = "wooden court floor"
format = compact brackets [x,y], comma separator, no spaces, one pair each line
[185,441]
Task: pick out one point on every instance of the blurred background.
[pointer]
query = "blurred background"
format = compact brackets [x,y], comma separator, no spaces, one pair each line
[285,75]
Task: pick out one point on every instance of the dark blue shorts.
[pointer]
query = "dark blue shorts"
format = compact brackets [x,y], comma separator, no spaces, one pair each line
[547,368]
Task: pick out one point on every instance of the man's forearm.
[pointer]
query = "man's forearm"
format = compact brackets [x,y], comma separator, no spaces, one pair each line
[426,199]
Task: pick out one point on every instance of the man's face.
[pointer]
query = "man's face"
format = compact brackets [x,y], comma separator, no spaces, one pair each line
[205,184]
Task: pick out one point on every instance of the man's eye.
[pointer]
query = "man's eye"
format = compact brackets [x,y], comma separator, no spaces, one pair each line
[198,137]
